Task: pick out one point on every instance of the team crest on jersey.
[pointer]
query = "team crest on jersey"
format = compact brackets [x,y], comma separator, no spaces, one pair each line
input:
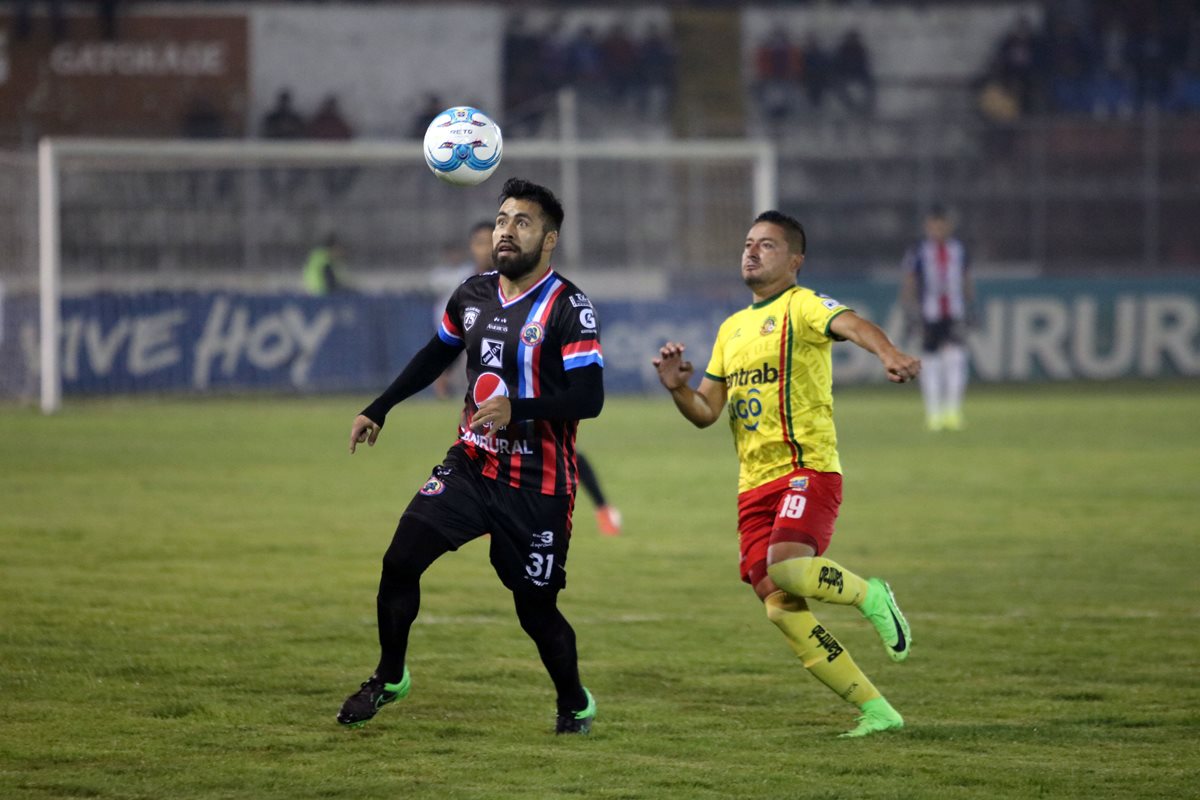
[470,314]
[798,484]
[433,486]
[768,326]
[532,334]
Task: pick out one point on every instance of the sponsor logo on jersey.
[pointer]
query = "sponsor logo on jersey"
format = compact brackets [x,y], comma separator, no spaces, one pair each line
[492,326]
[493,444]
[747,377]
[532,334]
[433,486]
[768,326]
[798,484]
[587,318]
[580,300]
[487,386]
[470,314]
[491,352]
[543,539]
[831,304]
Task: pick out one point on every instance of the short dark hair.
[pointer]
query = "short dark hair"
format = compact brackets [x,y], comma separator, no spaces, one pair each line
[937,211]
[482,225]
[521,189]
[793,230]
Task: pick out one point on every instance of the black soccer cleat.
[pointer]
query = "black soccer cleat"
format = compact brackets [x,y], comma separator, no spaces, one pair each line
[577,721]
[373,695]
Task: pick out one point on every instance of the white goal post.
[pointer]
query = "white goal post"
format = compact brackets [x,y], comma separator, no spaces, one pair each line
[246,209]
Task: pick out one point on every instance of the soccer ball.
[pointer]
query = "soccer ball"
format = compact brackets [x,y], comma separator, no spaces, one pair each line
[463,146]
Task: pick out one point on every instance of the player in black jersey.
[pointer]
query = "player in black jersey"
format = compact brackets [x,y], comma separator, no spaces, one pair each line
[535,368]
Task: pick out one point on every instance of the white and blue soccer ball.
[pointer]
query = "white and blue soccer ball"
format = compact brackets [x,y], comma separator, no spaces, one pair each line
[463,146]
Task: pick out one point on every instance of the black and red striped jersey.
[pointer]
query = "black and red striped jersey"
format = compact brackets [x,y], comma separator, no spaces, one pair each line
[521,347]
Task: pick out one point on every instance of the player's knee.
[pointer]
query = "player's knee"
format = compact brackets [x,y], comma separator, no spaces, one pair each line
[779,604]
[796,575]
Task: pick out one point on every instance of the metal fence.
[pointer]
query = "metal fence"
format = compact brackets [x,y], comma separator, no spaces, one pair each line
[1052,197]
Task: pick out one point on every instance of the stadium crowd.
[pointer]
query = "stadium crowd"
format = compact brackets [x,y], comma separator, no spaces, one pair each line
[1108,59]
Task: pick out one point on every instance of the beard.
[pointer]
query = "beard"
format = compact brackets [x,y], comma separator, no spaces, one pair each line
[518,265]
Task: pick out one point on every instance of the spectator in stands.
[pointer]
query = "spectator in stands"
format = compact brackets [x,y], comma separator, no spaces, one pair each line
[620,62]
[654,80]
[814,77]
[776,67]
[1111,94]
[1151,56]
[585,59]
[23,20]
[324,270]
[282,121]
[420,121]
[202,120]
[329,124]
[852,78]
[1017,61]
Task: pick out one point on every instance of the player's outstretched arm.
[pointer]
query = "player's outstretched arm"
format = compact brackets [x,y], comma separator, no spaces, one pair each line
[429,362]
[900,366]
[701,407]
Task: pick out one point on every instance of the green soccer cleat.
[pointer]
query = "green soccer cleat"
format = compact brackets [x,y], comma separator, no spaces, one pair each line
[878,715]
[881,610]
[577,721]
[373,695]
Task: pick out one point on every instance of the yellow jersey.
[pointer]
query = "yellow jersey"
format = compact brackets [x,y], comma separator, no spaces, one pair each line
[775,359]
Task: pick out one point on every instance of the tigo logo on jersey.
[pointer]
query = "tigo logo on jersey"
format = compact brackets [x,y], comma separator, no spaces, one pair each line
[433,486]
[532,334]
[768,326]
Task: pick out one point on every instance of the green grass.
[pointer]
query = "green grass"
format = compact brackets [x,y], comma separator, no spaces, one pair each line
[187,594]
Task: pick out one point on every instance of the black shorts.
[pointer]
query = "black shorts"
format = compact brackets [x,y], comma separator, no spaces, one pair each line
[943,331]
[530,531]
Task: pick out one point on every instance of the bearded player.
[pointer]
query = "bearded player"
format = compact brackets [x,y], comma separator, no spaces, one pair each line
[534,363]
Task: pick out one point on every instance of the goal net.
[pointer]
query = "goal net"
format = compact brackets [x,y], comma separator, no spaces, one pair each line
[139,266]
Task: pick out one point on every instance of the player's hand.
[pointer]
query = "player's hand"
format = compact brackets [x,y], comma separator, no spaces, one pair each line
[900,366]
[363,430]
[673,371]
[496,412]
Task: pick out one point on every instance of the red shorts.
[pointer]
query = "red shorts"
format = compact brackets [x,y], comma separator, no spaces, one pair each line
[799,507]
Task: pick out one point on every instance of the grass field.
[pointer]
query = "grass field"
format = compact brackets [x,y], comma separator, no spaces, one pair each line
[187,594]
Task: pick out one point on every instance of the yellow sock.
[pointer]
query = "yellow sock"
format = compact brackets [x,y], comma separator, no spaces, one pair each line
[819,578]
[819,652]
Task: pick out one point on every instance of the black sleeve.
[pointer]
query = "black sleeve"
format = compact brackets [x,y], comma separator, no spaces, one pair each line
[429,362]
[583,398]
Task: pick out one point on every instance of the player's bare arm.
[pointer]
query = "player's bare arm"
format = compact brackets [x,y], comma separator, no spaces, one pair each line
[702,407]
[900,366]
[363,430]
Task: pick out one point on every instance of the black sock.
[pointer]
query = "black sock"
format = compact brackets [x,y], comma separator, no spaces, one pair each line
[555,640]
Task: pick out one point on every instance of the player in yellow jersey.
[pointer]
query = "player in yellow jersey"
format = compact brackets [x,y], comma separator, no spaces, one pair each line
[772,365]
